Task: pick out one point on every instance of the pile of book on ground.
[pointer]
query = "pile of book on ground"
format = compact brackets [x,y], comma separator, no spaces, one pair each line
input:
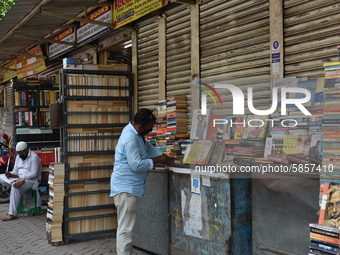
[55,205]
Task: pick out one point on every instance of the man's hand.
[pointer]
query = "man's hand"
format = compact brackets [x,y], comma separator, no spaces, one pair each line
[18,183]
[163,159]
[9,175]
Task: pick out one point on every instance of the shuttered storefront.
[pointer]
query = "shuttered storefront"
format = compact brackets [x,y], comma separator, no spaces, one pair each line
[178,53]
[148,70]
[311,34]
[235,46]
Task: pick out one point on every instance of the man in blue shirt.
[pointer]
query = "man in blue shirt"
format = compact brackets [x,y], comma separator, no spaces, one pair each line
[134,157]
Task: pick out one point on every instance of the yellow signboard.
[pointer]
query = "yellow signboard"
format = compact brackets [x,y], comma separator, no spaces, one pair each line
[9,74]
[125,11]
[30,65]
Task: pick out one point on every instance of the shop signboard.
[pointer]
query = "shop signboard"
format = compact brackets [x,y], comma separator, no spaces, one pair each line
[30,65]
[126,11]
[56,49]
[9,74]
[87,32]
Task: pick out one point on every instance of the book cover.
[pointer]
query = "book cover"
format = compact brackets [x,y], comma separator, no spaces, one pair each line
[205,153]
[330,205]
[239,126]
[296,144]
[256,128]
[322,246]
[324,238]
[217,154]
[216,129]
[194,152]
[199,124]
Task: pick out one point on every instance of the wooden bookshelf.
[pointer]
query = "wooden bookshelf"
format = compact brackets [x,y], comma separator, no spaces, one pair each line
[97,105]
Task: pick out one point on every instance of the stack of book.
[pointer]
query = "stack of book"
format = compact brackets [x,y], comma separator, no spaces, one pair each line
[161,114]
[176,115]
[324,240]
[331,123]
[55,205]
[247,149]
[32,82]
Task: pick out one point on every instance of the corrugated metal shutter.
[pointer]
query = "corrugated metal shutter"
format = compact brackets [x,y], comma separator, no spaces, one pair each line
[148,69]
[235,43]
[178,54]
[310,36]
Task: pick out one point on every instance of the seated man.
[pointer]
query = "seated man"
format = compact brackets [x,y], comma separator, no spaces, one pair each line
[27,169]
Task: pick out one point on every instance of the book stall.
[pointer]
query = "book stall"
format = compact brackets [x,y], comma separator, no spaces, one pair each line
[205,174]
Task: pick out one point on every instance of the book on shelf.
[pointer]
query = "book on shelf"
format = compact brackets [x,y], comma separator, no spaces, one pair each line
[205,153]
[199,124]
[258,128]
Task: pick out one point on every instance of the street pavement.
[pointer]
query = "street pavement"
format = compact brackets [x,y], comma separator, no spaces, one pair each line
[26,235]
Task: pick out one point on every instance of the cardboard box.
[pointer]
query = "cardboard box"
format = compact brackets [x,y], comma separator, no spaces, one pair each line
[73,63]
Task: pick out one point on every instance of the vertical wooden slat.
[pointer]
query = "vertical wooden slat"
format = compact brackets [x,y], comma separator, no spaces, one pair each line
[276,34]
[162,57]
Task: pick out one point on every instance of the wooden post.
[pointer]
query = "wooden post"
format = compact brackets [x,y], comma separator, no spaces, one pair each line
[134,67]
[276,39]
[162,56]
[195,56]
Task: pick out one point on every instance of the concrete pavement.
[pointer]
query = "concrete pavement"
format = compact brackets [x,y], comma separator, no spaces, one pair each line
[26,235]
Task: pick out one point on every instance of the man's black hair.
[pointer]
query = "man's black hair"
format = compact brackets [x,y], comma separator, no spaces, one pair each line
[143,117]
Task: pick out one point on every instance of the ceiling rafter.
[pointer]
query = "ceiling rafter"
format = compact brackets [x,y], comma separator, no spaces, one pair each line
[43,39]
[75,5]
[184,1]
[24,54]
[70,17]
[42,28]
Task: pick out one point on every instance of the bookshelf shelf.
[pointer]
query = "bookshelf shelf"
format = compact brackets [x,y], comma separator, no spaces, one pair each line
[35,88]
[97,98]
[31,107]
[92,217]
[88,152]
[76,209]
[95,125]
[97,105]
[89,180]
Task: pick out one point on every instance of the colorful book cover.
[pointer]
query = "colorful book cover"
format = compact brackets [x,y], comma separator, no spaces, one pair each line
[239,127]
[296,144]
[199,124]
[216,128]
[330,205]
[205,153]
[256,128]
[194,152]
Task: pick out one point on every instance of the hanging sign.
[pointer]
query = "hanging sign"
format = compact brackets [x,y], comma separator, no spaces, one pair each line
[56,49]
[30,65]
[126,11]
[87,32]
[9,74]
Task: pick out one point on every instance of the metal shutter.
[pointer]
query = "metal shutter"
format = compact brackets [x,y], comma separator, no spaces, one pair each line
[310,36]
[178,54]
[235,44]
[148,70]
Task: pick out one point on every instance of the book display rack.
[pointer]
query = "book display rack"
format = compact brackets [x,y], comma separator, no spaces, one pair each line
[96,107]
[31,114]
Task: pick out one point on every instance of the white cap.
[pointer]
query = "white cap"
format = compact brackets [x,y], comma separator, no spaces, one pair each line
[21,146]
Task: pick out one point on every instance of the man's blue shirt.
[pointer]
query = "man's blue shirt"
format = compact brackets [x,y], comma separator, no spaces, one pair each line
[132,163]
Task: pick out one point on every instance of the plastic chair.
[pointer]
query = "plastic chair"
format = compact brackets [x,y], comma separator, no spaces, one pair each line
[35,208]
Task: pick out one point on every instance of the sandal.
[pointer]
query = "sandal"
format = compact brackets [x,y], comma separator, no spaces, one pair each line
[9,217]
